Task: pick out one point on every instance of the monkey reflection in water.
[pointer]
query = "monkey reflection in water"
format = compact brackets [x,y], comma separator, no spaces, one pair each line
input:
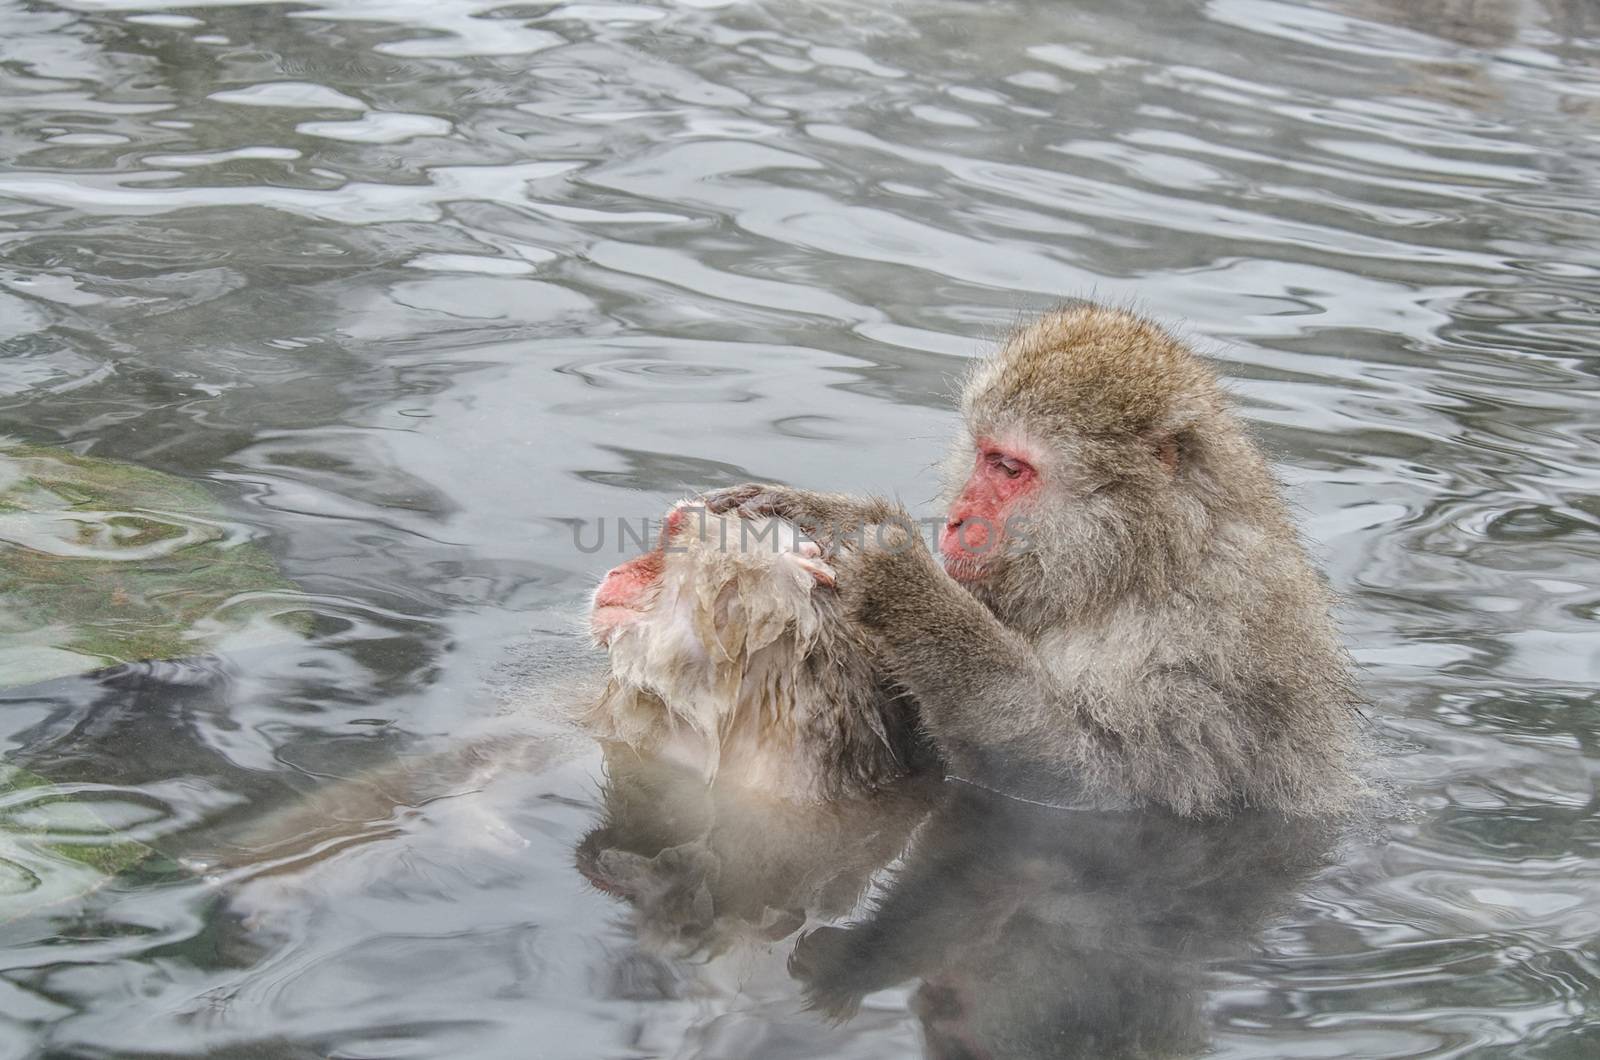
[1025,930]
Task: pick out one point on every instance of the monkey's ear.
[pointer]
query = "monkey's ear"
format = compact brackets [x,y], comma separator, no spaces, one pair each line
[808,557]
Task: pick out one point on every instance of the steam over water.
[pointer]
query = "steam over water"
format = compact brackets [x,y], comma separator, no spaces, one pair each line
[417,288]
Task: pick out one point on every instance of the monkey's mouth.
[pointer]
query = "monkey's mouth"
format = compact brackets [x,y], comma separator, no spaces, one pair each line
[963,567]
[607,620]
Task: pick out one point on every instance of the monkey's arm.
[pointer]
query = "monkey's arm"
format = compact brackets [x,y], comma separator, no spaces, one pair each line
[991,705]
[997,714]
[978,683]
[824,516]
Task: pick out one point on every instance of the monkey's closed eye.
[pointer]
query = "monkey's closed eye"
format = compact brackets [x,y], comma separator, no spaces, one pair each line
[1009,467]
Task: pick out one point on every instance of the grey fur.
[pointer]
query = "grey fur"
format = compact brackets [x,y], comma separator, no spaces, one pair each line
[1164,639]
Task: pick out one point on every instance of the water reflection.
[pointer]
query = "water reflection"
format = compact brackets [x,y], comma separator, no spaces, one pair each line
[707,868]
[1024,930]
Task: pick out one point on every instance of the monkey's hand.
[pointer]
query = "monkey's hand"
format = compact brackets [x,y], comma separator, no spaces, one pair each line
[823,517]
[825,962]
[981,692]
[874,577]
[728,498]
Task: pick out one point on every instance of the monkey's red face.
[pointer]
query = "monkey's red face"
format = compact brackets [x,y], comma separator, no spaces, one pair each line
[629,590]
[625,594]
[660,599]
[1004,478]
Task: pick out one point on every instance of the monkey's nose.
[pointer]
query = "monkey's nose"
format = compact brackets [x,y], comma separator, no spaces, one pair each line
[615,589]
[950,535]
[966,535]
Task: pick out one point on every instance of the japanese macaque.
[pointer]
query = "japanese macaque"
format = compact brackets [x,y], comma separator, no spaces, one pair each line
[729,653]
[1124,613]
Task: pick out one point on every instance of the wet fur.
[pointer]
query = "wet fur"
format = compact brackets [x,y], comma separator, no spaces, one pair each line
[743,667]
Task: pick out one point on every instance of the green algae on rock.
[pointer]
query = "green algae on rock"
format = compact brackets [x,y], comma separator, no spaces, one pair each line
[54,846]
[104,562]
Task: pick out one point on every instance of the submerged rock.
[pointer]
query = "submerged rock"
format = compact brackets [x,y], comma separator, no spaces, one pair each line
[104,562]
[54,846]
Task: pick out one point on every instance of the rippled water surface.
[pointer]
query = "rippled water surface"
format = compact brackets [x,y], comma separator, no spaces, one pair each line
[412,287]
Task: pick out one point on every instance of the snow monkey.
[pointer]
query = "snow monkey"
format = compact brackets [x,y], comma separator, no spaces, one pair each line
[730,652]
[1123,613]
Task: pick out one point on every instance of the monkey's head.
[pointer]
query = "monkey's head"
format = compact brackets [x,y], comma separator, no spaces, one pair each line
[713,581]
[724,650]
[1098,450]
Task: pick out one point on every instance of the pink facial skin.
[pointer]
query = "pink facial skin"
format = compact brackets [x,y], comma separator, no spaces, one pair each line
[631,590]
[627,589]
[624,585]
[974,531]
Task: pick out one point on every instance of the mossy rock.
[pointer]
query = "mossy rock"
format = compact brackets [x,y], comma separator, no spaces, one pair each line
[54,846]
[104,562]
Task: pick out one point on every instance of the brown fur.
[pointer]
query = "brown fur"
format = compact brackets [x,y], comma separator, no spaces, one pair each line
[741,667]
[1163,638]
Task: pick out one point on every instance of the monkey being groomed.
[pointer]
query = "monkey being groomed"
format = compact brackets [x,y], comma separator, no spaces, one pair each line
[729,654]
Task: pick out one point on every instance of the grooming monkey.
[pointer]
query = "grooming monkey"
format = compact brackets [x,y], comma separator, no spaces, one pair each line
[1124,613]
